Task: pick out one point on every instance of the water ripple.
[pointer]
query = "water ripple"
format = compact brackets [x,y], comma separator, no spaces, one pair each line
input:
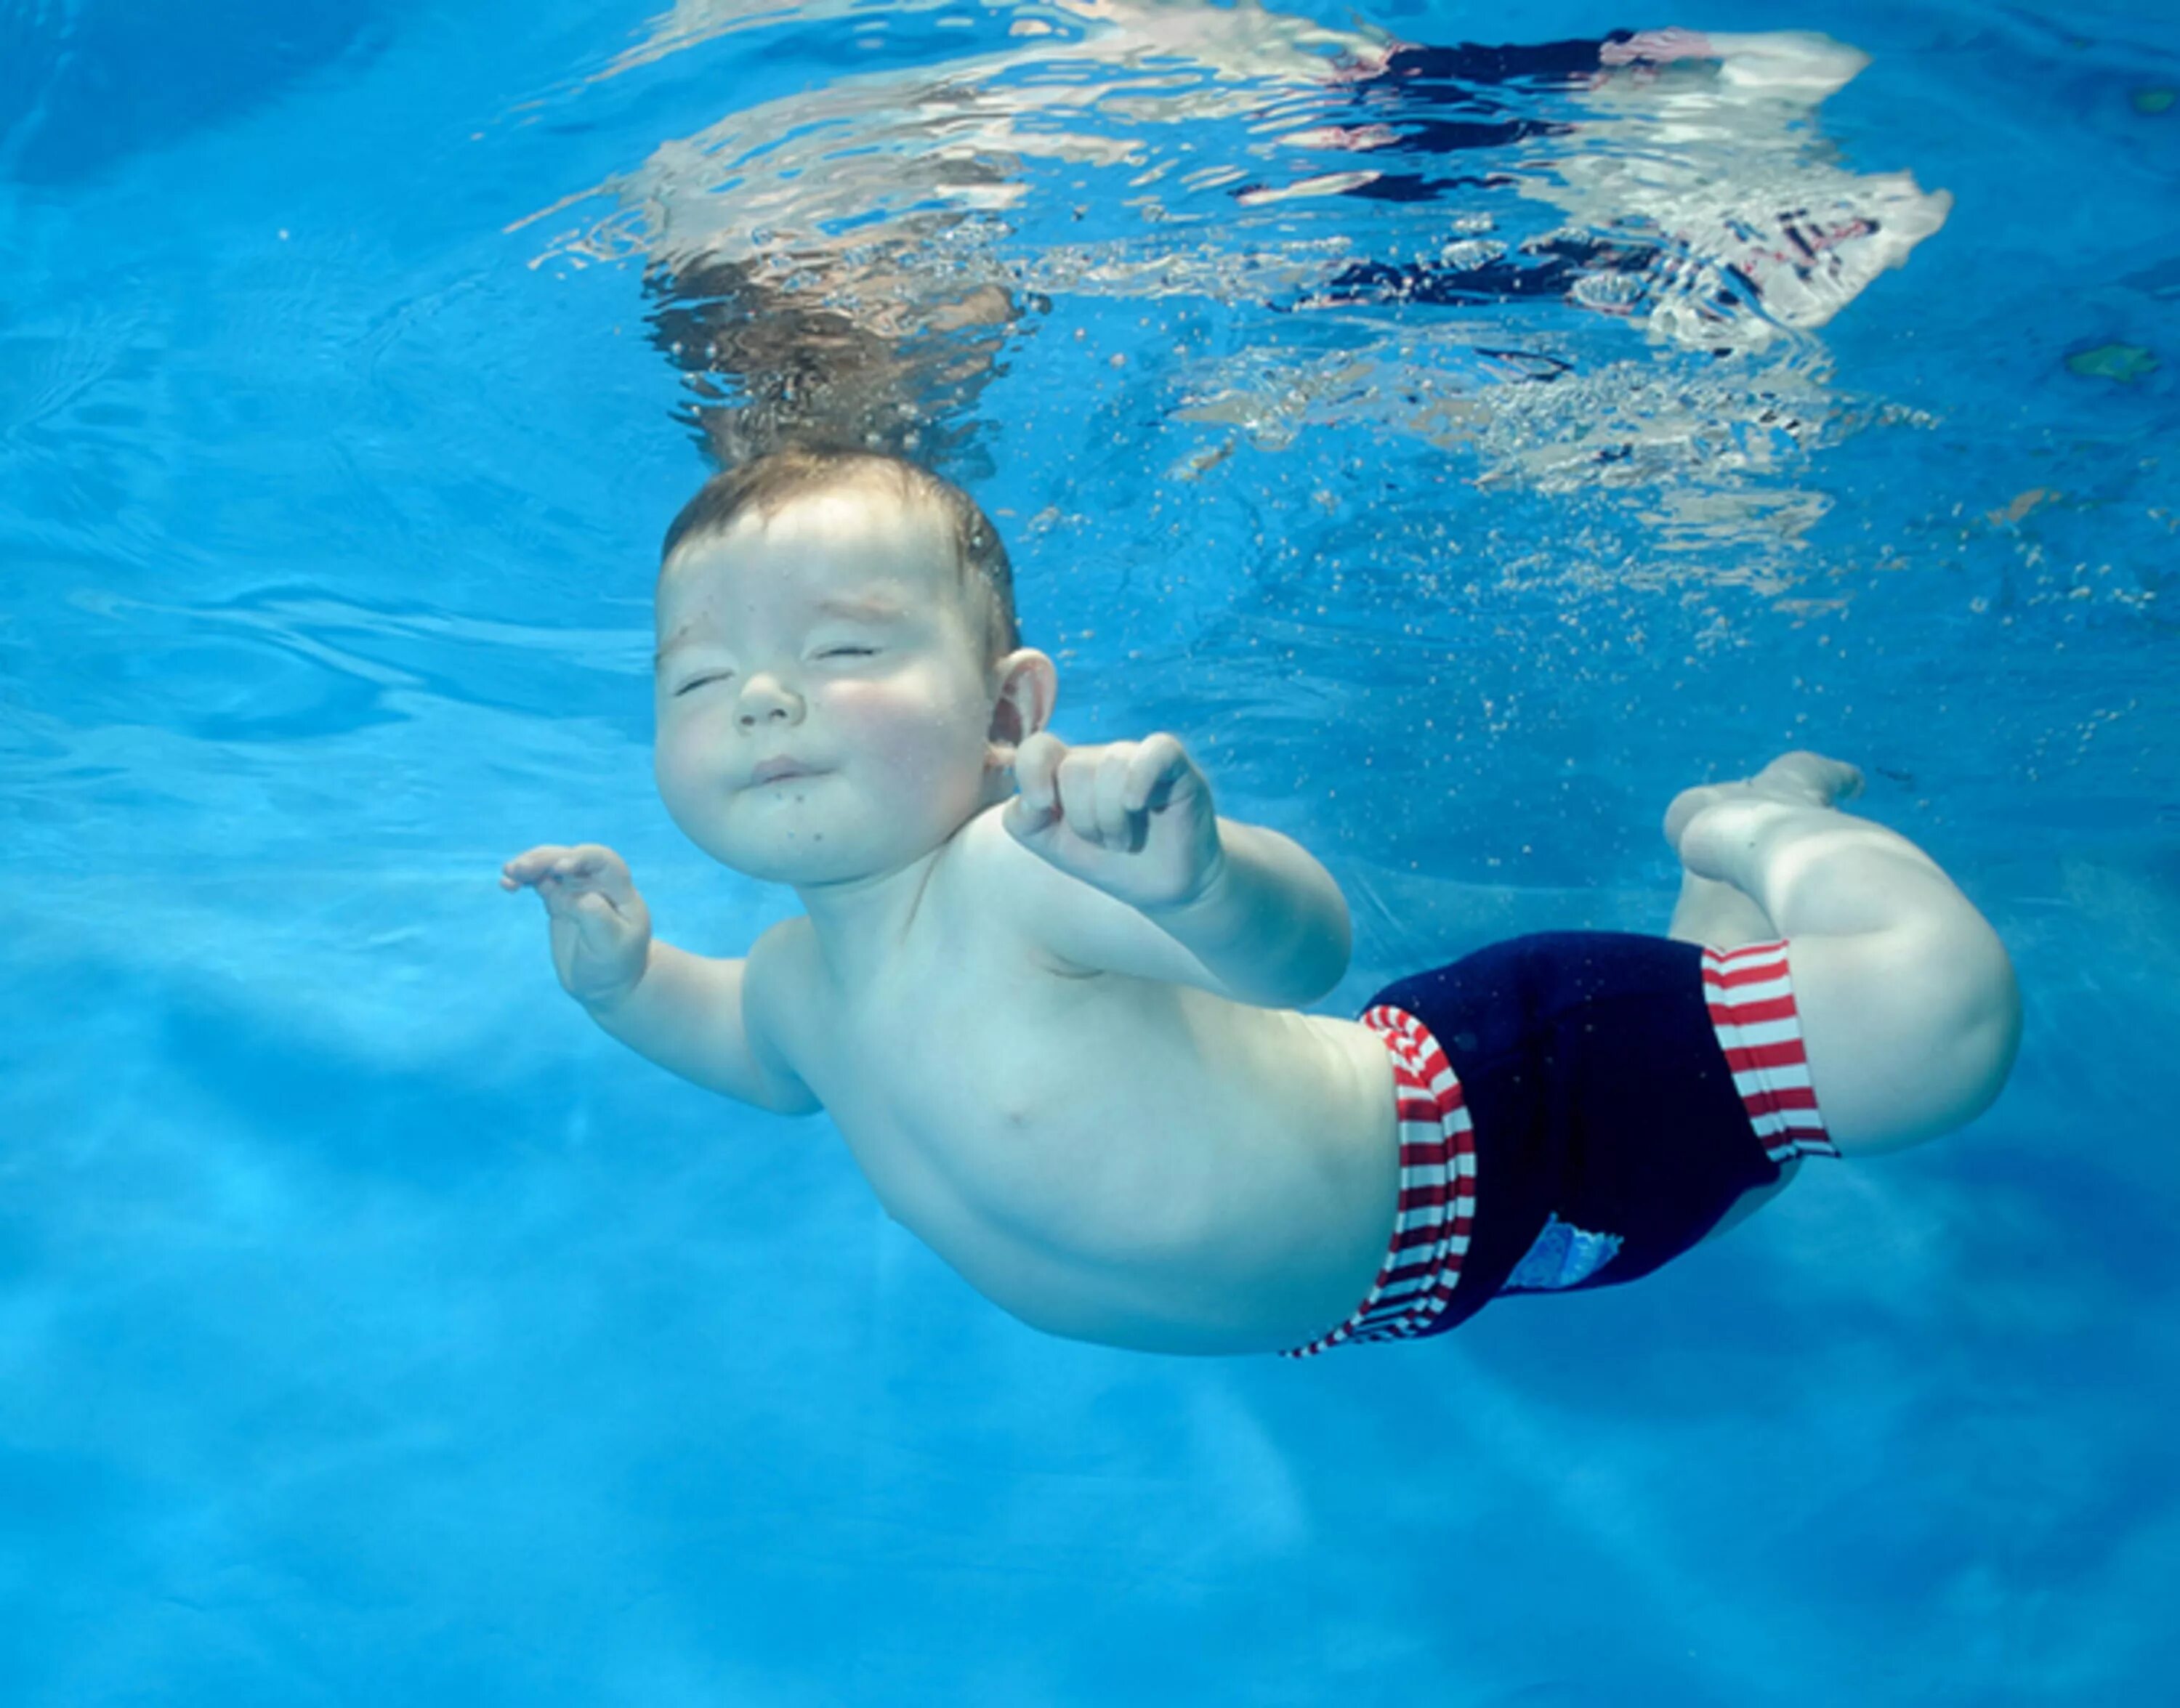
[851,262]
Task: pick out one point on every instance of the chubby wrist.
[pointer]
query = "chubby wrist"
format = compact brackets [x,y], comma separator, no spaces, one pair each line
[603,1007]
[1213,884]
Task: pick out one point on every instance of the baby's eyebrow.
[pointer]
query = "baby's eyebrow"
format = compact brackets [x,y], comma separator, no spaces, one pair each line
[855,608]
[867,608]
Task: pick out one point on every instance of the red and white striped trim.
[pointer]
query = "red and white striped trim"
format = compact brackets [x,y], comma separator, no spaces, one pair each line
[1751,1000]
[1438,1191]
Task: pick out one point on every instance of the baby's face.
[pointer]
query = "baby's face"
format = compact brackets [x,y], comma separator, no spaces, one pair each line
[824,709]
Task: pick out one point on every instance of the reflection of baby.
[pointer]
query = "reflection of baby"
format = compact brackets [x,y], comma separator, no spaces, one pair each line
[1049,998]
[1700,171]
[820,271]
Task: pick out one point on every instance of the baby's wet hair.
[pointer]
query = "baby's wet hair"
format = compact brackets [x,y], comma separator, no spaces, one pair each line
[764,487]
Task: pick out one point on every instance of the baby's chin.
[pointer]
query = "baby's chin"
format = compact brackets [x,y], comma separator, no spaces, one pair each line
[781,835]
[796,857]
[812,858]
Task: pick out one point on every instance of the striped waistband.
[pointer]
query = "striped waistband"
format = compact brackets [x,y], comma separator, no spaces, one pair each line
[1438,1191]
[1752,1009]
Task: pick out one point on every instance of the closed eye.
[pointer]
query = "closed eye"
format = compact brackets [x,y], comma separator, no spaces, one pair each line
[696,682]
[849,652]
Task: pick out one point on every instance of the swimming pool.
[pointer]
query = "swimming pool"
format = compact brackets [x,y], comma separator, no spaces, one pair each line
[371,1330]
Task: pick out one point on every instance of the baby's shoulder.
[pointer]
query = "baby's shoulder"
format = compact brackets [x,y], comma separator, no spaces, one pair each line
[982,911]
[780,972]
[1019,908]
[983,859]
[984,880]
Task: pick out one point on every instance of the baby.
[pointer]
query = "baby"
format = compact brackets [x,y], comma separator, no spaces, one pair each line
[1053,1002]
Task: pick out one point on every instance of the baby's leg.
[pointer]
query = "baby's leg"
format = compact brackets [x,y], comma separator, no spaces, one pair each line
[1712,913]
[1909,1012]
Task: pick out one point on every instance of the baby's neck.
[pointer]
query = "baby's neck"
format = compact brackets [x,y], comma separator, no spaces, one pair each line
[859,921]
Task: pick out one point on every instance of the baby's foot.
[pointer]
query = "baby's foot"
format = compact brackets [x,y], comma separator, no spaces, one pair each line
[1704,821]
[1709,824]
[1799,779]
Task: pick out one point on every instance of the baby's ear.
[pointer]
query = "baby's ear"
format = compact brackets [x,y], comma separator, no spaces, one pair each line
[1029,682]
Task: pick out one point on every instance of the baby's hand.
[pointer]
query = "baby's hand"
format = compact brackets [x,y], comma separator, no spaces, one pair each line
[1131,818]
[600,928]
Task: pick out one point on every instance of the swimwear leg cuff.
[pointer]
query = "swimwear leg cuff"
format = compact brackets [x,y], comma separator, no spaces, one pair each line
[1751,1000]
[1438,1192]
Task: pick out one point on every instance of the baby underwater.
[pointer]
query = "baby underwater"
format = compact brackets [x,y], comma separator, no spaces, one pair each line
[1051,999]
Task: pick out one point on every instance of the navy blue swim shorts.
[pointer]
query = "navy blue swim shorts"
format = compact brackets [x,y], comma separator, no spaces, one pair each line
[1577,1108]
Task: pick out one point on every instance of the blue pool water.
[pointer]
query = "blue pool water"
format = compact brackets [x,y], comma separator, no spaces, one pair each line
[372,1331]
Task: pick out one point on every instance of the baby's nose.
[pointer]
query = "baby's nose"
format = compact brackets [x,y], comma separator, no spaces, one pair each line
[765,701]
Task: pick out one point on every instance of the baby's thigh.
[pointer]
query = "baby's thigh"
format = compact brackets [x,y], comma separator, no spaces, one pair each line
[1904,1035]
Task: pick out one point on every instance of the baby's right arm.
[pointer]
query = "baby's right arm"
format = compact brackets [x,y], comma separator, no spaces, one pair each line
[685,1011]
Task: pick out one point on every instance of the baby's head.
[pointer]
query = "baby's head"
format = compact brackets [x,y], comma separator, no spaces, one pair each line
[983,578]
[840,685]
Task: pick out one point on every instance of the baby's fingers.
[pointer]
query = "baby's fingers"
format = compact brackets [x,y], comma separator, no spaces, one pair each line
[1088,803]
[587,867]
[1036,805]
[1158,763]
[1116,827]
[1037,764]
[528,867]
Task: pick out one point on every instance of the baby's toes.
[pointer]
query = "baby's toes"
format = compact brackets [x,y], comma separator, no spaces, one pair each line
[1810,777]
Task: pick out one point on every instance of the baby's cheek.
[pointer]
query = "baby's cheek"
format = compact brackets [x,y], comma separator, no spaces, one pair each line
[677,765]
[918,750]
[897,735]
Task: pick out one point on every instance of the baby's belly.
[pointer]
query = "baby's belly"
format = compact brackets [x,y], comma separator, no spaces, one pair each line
[1210,1179]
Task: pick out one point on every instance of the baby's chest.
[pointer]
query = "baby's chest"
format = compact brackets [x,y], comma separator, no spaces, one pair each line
[965,1059]
[919,1051]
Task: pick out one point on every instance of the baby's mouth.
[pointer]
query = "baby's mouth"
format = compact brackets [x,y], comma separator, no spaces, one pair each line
[778,771]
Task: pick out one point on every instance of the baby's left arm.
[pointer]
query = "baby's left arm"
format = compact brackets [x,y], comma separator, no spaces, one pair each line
[1133,821]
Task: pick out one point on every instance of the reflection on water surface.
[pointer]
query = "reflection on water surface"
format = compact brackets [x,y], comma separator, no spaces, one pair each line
[1582,261]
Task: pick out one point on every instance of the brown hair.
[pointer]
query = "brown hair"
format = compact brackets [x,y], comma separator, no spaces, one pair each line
[766,486]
